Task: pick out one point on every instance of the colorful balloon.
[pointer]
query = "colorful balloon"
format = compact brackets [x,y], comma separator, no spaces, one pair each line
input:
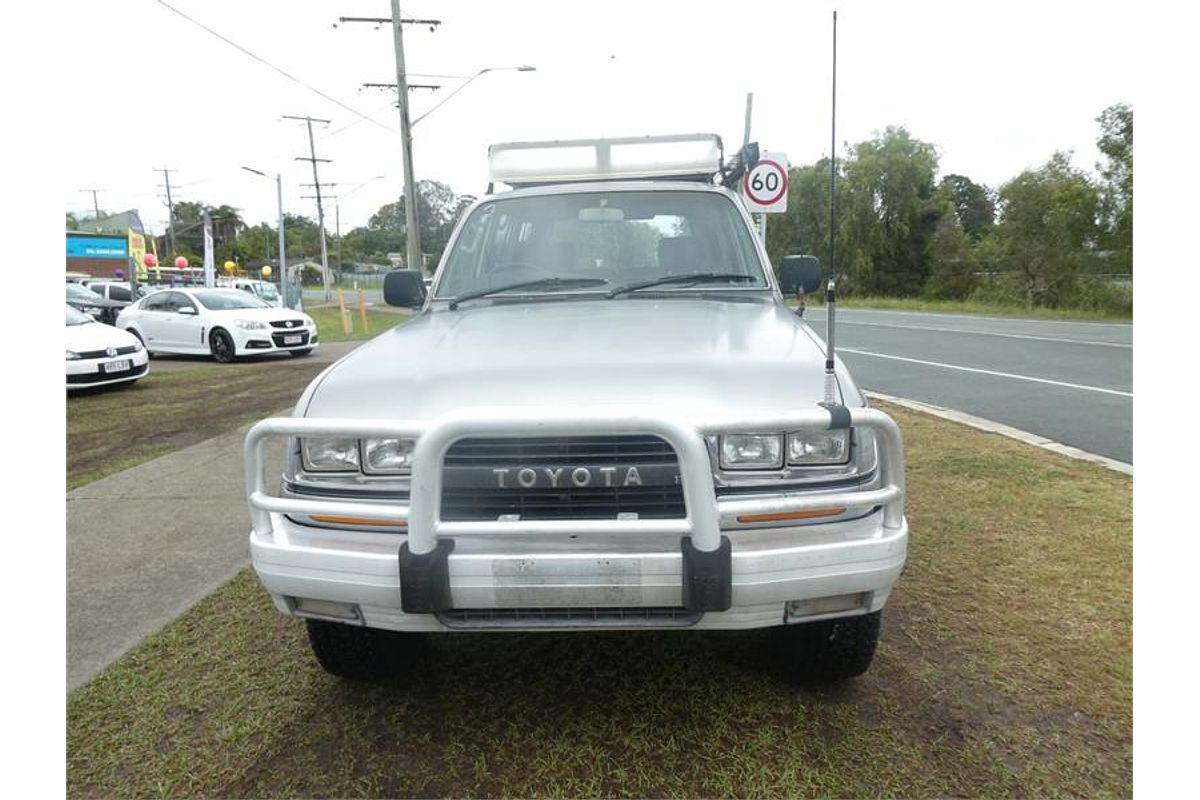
[181,262]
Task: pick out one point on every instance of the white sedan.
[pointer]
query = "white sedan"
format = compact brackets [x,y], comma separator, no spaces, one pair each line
[99,354]
[223,323]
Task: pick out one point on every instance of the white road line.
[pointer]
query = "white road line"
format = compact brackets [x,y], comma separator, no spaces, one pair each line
[988,372]
[988,333]
[1005,430]
[1037,320]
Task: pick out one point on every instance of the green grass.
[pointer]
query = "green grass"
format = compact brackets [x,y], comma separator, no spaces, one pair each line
[972,307]
[112,429]
[1004,669]
[330,326]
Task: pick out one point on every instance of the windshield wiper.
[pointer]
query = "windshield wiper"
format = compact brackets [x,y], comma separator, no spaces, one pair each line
[694,277]
[542,283]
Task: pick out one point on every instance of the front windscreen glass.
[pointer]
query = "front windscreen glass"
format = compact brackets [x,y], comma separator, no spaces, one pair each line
[267,291]
[229,300]
[619,237]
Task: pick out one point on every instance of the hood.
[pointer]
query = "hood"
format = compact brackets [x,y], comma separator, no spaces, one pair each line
[701,358]
[97,336]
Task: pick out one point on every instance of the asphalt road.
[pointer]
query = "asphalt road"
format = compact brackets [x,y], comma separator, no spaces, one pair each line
[1068,381]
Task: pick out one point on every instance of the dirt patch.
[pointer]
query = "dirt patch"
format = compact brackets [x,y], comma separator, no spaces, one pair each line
[113,429]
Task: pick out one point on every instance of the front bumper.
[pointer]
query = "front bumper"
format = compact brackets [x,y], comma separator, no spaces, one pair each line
[90,372]
[272,340]
[704,570]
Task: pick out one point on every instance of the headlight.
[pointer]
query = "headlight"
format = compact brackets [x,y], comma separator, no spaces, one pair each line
[751,451]
[818,447]
[72,355]
[388,456]
[250,324]
[324,454]
[137,345]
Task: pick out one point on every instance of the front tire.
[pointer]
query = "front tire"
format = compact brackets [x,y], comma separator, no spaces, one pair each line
[355,653]
[830,650]
[221,344]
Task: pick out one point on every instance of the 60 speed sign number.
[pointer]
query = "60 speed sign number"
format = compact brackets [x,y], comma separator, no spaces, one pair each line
[765,187]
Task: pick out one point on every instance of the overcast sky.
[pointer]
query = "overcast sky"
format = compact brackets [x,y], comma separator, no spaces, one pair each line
[997,87]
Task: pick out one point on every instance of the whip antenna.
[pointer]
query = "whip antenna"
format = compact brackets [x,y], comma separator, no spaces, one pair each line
[830,290]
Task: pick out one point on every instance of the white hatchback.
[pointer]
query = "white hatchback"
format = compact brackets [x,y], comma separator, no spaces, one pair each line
[99,354]
[223,323]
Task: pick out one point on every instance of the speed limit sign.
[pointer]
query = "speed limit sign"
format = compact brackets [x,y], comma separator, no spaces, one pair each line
[765,187]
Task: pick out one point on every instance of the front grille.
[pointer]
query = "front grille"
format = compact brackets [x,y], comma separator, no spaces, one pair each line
[97,377]
[590,616]
[121,351]
[278,339]
[287,323]
[471,492]
[556,451]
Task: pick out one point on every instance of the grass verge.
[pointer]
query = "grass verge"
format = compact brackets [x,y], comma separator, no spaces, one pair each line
[112,429]
[972,307]
[330,325]
[1004,669]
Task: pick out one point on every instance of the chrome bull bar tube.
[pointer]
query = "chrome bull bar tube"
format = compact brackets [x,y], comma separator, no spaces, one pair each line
[706,552]
[703,510]
[425,524]
[890,496]
[262,504]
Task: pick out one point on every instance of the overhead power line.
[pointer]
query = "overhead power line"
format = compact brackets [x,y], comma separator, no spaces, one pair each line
[281,71]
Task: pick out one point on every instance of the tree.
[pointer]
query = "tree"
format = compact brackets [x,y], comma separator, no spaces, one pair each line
[804,228]
[72,222]
[187,222]
[1047,225]
[952,261]
[1116,197]
[437,210]
[972,204]
[891,209]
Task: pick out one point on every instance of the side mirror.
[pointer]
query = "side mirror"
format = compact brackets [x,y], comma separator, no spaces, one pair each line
[799,273]
[187,310]
[404,287]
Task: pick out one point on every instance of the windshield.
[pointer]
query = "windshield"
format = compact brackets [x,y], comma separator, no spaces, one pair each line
[267,291]
[77,317]
[229,300]
[607,238]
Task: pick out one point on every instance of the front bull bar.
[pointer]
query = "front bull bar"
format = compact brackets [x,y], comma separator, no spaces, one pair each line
[707,570]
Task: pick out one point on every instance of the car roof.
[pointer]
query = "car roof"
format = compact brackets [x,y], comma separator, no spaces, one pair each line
[610,186]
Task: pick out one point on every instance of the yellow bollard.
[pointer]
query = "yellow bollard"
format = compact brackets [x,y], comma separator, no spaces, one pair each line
[362,311]
[343,313]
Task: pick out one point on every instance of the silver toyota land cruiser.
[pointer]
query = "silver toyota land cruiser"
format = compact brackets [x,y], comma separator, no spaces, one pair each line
[602,415]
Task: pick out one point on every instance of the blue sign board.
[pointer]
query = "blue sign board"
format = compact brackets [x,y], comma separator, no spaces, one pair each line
[97,247]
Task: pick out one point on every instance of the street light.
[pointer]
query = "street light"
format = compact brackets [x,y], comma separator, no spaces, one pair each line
[463,85]
[283,279]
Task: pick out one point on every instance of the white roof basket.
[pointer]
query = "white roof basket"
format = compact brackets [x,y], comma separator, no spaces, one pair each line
[691,156]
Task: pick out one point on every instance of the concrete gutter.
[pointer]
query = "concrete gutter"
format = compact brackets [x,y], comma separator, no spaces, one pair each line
[990,426]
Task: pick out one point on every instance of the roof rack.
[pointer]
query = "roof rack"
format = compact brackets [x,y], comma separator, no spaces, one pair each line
[691,156]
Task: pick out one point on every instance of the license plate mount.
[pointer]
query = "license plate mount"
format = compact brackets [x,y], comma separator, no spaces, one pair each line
[124,365]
